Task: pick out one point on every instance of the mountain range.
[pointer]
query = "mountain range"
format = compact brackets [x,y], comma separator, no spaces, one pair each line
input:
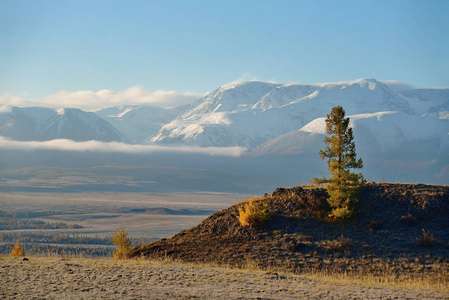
[246,114]
[391,127]
[43,124]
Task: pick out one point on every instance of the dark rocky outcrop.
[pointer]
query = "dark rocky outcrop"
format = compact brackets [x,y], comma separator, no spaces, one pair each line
[385,230]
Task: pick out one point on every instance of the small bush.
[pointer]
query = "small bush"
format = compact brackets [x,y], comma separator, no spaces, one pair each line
[427,239]
[123,241]
[253,214]
[17,251]
[342,213]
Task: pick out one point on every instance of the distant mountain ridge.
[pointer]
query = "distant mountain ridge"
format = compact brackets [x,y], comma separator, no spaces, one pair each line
[43,124]
[139,122]
[252,113]
[247,114]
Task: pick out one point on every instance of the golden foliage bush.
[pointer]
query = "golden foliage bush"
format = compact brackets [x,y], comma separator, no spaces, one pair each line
[17,251]
[123,241]
[253,214]
[341,213]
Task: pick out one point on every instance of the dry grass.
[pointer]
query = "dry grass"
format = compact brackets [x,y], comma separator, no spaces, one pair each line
[378,272]
[335,245]
[311,186]
[427,239]
[386,279]
[384,275]
[167,279]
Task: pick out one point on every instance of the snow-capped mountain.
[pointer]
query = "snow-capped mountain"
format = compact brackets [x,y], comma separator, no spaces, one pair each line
[375,135]
[139,122]
[246,114]
[42,124]
[251,113]
[428,101]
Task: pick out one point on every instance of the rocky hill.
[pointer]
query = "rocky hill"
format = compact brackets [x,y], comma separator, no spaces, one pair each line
[399,228]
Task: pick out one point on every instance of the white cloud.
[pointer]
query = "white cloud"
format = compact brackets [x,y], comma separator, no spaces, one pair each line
[396,85]
[248,77]
[116,147]
[245,77]
[89,100]
[11,100]
[439,87]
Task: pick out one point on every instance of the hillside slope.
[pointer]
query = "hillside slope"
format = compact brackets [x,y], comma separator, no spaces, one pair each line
[383,235]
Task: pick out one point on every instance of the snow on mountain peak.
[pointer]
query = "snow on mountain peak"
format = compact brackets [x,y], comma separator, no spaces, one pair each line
[248,113]
[374,134]
[319,125]
[5,109]
[42,124]
[371,83]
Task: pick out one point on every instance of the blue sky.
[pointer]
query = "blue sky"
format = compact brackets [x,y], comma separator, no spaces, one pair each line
[196,46]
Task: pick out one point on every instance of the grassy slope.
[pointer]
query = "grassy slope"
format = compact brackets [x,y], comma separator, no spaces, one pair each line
[382,239]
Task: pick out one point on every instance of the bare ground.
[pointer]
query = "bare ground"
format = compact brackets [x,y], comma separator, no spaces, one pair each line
[75,278]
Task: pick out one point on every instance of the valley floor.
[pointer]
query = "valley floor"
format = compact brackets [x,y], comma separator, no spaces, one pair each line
[75,278]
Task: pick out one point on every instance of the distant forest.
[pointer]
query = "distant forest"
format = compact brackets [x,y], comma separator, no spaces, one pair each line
[52,244]
[57,244]
[12,220]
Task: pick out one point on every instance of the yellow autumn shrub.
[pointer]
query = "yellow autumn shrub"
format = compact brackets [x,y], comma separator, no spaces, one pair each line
[253,213]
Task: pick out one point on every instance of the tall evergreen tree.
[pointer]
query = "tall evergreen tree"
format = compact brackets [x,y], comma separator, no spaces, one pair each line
[340,152]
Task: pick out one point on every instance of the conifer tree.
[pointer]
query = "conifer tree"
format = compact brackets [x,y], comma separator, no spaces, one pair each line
[17,251]
[123,241]
[340,153]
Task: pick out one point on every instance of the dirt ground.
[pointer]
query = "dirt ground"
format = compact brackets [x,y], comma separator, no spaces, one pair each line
[75,278]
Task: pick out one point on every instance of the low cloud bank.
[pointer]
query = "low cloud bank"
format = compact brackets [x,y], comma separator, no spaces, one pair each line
[116,147]
[396,85]
[89,100]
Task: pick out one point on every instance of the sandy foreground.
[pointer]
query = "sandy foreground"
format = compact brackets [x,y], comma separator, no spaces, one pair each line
[74,278]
